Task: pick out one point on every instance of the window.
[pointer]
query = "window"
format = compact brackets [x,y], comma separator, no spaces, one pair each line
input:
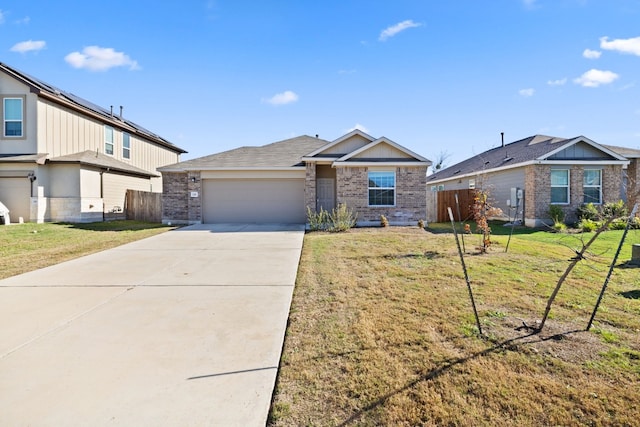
[382,188]
[13,111]
[592,186]
[560,186]
[108,140]
[126,146]
[472,184]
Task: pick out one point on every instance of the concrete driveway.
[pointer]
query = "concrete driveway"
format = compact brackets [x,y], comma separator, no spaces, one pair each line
[184,328]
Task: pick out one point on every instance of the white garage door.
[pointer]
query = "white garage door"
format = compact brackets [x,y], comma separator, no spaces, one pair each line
[253,201]
[15,194]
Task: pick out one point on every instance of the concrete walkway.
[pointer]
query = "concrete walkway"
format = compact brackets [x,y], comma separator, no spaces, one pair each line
[181,329]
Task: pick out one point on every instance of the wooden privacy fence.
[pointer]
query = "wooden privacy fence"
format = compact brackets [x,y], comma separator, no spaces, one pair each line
[447,199]
[143,206]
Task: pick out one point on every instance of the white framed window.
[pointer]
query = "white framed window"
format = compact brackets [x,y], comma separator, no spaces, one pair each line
[126,146]
[382,188]
[108,140]
[13,117]
[472,184]
[592,186]
[560,186]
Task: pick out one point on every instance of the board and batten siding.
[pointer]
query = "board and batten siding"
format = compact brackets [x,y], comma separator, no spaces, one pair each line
[10,88]
[62,131]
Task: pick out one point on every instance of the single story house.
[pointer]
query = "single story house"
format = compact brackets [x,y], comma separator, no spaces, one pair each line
[276,183]
[63,158]
[525,177]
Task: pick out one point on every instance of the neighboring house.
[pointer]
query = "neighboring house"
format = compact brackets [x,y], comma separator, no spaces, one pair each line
[538,171]
[63,158]
[276,183]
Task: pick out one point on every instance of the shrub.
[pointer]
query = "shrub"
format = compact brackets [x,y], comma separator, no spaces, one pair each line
[615,210]
[618,224]
[556,214]
[384,222]
[340,219]
[420,223]
[559,226]
[587,225]
[588,211]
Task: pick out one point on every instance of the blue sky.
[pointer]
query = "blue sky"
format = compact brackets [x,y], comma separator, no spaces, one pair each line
[435,76]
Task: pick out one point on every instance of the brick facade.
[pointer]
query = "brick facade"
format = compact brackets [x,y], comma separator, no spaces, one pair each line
[538,191]
[310,187]
[633,185]
[178,207]
[352,185]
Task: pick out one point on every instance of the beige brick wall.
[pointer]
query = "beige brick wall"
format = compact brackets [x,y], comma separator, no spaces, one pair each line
[411,197]
[538,191]
[310,187]
[178,207]
[633,185]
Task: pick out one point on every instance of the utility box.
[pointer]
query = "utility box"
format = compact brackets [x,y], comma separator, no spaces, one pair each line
[635,254]
[4,214]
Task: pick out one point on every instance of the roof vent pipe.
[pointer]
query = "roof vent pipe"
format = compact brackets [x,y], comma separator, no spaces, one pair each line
[502,136]
[112,111]
[121,108]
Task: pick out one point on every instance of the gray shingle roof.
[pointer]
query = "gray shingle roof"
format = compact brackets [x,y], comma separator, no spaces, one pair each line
[282,154]
[93,158]
[66,97]
[521,151]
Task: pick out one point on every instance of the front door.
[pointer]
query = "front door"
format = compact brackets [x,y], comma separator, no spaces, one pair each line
[326,191]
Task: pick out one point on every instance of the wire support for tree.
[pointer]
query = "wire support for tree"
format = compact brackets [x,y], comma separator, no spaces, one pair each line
[464,269]
[613,264]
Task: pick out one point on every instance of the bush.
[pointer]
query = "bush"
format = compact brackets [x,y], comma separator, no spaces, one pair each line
[340,219]
[618,224]
[588,211]
[559,226]
[384,222]
[421,223]
[556,214]
[587,225]
[615,210]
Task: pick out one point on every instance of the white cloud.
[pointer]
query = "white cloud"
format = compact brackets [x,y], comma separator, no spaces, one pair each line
[559,82]
[630,46]
[591,54]
[28,46]
[286,97]
[96,58]
[595,78]
[24,21]
[359,127]
[527,92]
[395,29]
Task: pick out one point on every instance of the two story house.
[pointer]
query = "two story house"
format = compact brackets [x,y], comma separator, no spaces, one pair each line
[63,158]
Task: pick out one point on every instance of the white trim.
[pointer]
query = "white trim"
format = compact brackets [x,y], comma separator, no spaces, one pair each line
[395,189]
[586,140]
[5,121]
[599,187]
[339,140]
[551,186]
[237,168]
[370,164]
[112,143]
[385,141]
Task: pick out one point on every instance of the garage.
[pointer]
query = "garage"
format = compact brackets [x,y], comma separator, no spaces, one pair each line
[253,201]
[15,194]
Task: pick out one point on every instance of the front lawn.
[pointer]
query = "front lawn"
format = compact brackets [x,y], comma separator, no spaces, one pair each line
[29,246]
[381,332]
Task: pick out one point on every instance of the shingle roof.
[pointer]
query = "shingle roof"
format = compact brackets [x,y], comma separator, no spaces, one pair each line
[93,158]
[282,154]
[521,151]
[64,97]
[629,153]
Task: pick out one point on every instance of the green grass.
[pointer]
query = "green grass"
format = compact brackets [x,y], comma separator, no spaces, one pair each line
[29,246]
[381,332]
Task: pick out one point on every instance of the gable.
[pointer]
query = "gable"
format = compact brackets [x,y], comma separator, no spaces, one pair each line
[581,151]
[382,151]
[353,143]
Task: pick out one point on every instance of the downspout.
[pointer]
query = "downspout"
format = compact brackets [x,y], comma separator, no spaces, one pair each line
[102,192]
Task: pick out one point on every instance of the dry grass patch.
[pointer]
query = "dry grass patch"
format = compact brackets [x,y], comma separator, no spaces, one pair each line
[381,332]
